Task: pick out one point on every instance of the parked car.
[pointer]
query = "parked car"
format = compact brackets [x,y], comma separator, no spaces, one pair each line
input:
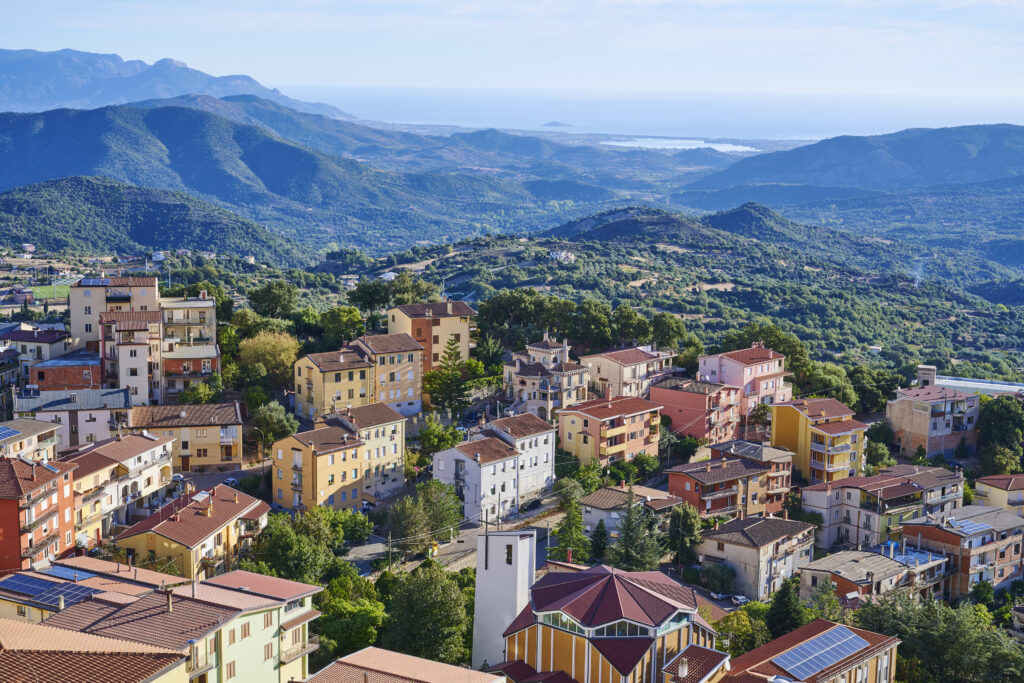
[530,505]
[231,481]
[740,600]
[720,596]
[177,477]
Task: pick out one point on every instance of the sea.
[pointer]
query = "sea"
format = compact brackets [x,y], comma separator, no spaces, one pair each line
[649,119]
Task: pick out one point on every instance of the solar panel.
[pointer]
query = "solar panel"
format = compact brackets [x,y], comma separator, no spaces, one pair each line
[95,281]
[72,593]
[972,527]
[7,432]
[69,573]
[28,585]
[820,652]
[50,467]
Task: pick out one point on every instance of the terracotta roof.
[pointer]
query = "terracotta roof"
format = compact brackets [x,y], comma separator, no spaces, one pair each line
[335,361]
[882,485]
[18,478]
[261,508]
[757,532]
[88,462]
[717,470]
[545,344]
[130,317]
[840,426]
[627,356]
[753,355]
[701,662]
[329,439]
[608,408]
[272,586]
[118,282]
[612,497]
[818,407]
[196,415]
[753,450]
[372,415]
[25,427]
[437,309]
[35,336]
[390,343]
[118,571]
[1006,482]
[120,450]
[226,597]
[185,520]
[385,666]
[522,426]
[490,449]
[933,393]
[146,620]
[31,652]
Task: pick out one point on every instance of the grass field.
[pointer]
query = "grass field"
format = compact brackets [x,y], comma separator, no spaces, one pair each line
[50,291]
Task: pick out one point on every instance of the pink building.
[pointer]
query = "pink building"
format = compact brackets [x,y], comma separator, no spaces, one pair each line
[757,371]
[703,410]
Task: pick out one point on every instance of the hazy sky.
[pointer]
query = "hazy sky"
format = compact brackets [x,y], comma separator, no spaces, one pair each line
[926,47]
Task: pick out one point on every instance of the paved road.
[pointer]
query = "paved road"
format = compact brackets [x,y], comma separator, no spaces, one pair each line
[209,479]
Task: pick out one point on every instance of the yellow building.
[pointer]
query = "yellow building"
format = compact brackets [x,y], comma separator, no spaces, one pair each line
[432,325]
[827,443]
[1001,491]
[89,297]
[354,456]
[202,531]
[205,435]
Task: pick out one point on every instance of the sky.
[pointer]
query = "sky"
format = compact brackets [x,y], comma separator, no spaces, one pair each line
[960,48]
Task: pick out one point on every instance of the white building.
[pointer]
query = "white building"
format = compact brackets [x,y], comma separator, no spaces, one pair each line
[82,415]
[505,566]
[510,461]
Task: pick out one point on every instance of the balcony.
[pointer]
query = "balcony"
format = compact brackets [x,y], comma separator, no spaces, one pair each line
[836,466]
[830,450]
[33,525]
[46,443]
[39,547]
[776,489]
[197,664]
[720,493]
[297,486]
[608,432]
[728,510]
[312,644]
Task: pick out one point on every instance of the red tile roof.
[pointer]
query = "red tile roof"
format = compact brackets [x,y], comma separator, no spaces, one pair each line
[490,449]
[185,520]
[437,309]
[129,317]
[389,343]
[627,356]
[818,407]
[882,485]
[700,663]
[329,439]
[753,355]
[120,571]
[1006,482]
[840,427]
[18,478]
[335,361]
[376,665]
[272,586]
[522,426]
[608,408]
[371,415]
[195,415]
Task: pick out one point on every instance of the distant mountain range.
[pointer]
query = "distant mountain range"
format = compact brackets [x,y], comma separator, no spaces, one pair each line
[35,81]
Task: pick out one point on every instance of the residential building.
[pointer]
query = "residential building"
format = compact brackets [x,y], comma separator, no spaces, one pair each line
[779,462]
[827,443]
[505,464]
[119,481]
[982,543]
[859,575]
[381,431]
[604,625]
[543,378]
[927,376]
[763,551]
[201,532]
[382,368]
[722,487]
[188,348]
[80,369]
[935,418]
[863,511]
[608,504]
[432,325]
[628,372]
[29,439]
[35,346]
[1004,491]
[89,297]
[205,435]
[81,415]
[759,372]
[703,410]
[608,429]
[373,664]
[37,508]
[35,652]
[944,489]
[131,347]
[820,652]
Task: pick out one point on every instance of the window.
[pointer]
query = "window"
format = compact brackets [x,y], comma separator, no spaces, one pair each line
[268,651]
[231,636]
[508,554]
[21,610]
[245,626]
[229,670]
[268,619]
[721,546]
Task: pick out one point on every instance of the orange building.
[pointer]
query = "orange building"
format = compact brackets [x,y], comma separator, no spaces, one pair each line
[37,512]
[722,487]
[703,410]
[610,429]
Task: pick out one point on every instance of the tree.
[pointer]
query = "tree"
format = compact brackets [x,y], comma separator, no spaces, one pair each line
[427,616]
[275,299]
[409,526]
[489,351]
[667,329]
[995,459]
[825,604]
[406,288]
[196,393]
[599,540]
[629,326]
[346,626]
[829,379]
[877,455]
[760,415]
[592,324]
[340,324]
[684,534]
[274,421]
[982,593]
[436,437]
[589,477]
[442,508]
[275,352]
[786,613]
[290,554]
[638,547]
[880,432]
[719,578]
[646,465]
[370,295]
[667,441]
[568,491]
[739,633]
[961,451]
[447,384]
[920,456]
[1001,423]
[623,472]
[573,544]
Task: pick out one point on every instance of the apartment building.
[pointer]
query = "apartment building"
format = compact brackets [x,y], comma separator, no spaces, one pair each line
[763,551]
[943,489]
[608,429]
[779,462]
[201,531]
[608,504]
[722,487]
[81,415]
[982,543]
[130,347]
[10,369]
[396,371]
[863,511]
[628,372]
[936,418]
[381,430]
[543,378]
[759,372]
[29,439]
[205,435]
[703,410]
[89,297]
[37,507]
[1004,491]
[80,369]
[119,481]
[860,575]
[35,346]
[432,325]
[827,443]
[373,663]
[505,464]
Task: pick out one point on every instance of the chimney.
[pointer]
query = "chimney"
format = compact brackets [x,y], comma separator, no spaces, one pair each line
[209,509]
[33,471]
[622,483]
[449,308]
[236,496]
[60,603]
[476,456]
[76,577]
[785,513]
[120,434]
[202,294]
[568,555]
[136,576]
[193,588]
[684,669]
[170,601]
[181,414]
[707,466]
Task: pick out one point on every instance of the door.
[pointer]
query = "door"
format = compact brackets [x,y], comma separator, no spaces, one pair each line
[184,463]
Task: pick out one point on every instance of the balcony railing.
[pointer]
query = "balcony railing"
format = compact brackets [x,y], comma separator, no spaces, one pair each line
[291,654]
[831,450]
[33,525]
[728,510]
[46,443]
[198,663]
[37,548]
[719,493]
[297,486]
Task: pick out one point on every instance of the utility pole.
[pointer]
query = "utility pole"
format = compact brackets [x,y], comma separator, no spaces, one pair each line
[389,551]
